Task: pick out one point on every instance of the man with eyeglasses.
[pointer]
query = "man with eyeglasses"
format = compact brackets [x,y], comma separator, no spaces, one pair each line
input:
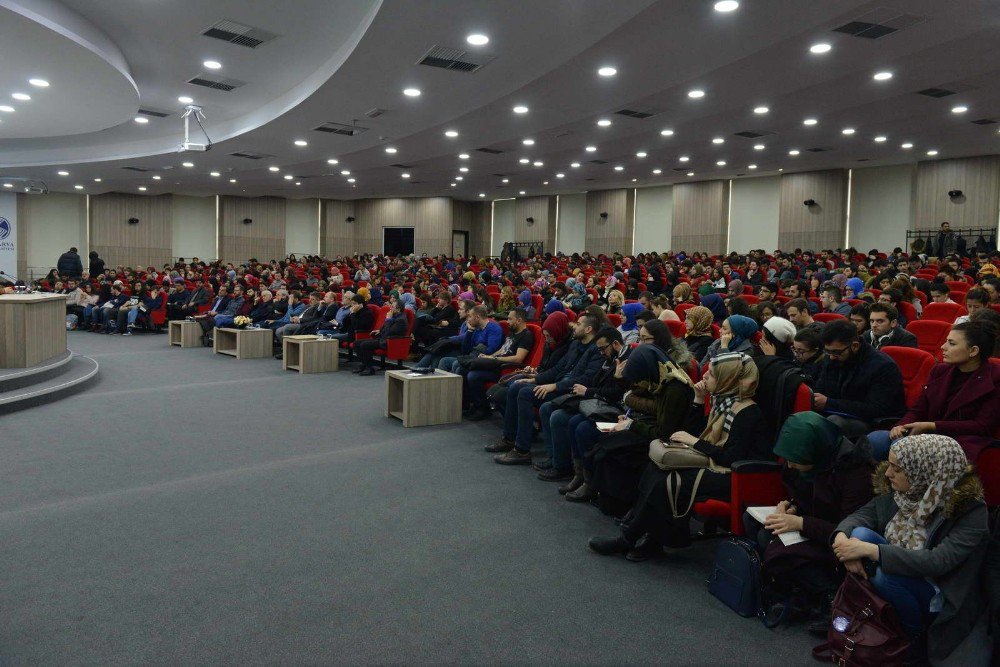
[857,385]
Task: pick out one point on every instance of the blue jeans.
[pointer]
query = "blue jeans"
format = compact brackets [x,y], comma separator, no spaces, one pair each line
[519,415]
[223,321]
[909,596]
[449,364]
[880,442]
[476,384]
[556,434]
[584,436]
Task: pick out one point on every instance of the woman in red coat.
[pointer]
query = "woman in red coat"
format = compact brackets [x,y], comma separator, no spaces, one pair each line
[961,398]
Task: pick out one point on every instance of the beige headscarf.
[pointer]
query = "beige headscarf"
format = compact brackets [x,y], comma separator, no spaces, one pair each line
[736,383]
[700,318]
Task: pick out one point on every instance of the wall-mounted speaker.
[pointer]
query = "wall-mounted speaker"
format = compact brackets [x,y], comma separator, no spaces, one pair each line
[604,215]
[530,221]
[133,221]
[247,221]
[954,194]
[349,218]
[809,202]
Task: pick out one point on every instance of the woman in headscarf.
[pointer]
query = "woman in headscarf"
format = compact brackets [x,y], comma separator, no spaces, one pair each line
[409,301]
[853,288]
[682,294]
[629,328]
[524,300]
[716,305]
[579,299]
[926,535]
[826,477]
[554,306]
[736,335]
[698,322]
[365,293]
[733,431]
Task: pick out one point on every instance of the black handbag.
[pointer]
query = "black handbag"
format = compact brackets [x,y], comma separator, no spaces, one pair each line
[566,402]
[486,364]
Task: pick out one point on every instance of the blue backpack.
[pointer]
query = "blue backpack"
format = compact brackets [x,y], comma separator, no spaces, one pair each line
[736,581]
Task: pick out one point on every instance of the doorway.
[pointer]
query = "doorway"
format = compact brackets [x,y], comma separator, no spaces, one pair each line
[459,244]
[397,241]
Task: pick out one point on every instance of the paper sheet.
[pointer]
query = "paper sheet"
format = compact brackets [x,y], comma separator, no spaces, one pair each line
[761,514]
[605,427]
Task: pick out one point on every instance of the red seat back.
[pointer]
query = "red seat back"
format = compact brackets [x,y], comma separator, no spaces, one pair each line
[682,309]
[930,334]
[803,399]
[614,320]
[535,356]
[957,286]
[915,365]
[988,469]
[677,328]
[944,312]
[538,305]
[908,311]
[752,299]
[828,317]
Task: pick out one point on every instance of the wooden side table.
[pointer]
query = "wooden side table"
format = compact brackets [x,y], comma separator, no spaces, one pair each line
[310,354]
[184,333]
[423,400]
[243,343]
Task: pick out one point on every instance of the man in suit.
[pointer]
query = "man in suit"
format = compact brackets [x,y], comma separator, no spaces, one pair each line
[394,327]
[224,318]
[307,322]
[191,303]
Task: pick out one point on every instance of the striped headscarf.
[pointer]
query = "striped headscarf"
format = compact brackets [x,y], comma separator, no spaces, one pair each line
[700,318]
[735,385]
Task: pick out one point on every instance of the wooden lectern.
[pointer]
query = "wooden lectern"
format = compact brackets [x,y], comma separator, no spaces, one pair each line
[32,328]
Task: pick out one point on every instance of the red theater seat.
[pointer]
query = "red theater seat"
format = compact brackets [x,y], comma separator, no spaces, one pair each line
[915,365]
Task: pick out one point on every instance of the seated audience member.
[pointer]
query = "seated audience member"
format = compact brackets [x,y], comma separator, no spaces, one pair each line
[579,365]
[262,307]
[219,304]
[734,431]
[940,293]
[629,328]
[885,329]
[74,293]
[832,303]
[224,318]
[294,308]
[778,376]
[440,321]
[698,322]
[359,320]
[526,303]
[555,330]
[717,306]
[799,314]
[512,353]
[505,303]
[309,319]
[88,300]
[856,384]
[975,299]
[736,335]
[661,308]
[443,347]
[660,392]
[892,297]
[800,290]
[148,302]
[615,302]
[482,336]
[853,288]
[737,305]
[555,416]
[806,348]
[197,297]
[765,310]
[394,327]
[767,292]
[826,477]
[176,299]
[961,398]
[124,315]
[926,536]
[578,298]
[682,294]
[859,318]
[107,313]
[334,317]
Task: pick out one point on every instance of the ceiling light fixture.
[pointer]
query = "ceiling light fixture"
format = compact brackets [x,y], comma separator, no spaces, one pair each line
[793,152]
[333,160]
[352,180]
[78,187]
[477,39]
[959,109]
[6,109]
[528,142]
[604,122]
[690,173]
[667,133]
[641,154]
[39,83]
[537,163]
[607,71]
[684,158]
[404,175]
[451,134]
[657,171]
[273,168]
[157,177]
[506,180]
[390,150]
[882,76]
[215,174]
[463,156]
[906,146]
[619,168]
[932,152]
[288,177]
[726,6]
[718,140]
[751,166]
[454,185]
[63,173]
[212,64]
[810,121]
[464,170]
[590,149]
[560,175]
[848,131]
[721,163]
[459,178]
[187,164]
[696,94]
[524,160]
[97,180]
[301,142]
[520,108]
[881,139]
[575,165]
[345,172]
[8,185]
[482,194]
[142,120]
[142,188]
[184,99]
[545,182]
[759,147]
[411,92]
[760,110]
[821,47]
[21,97]
[521,192]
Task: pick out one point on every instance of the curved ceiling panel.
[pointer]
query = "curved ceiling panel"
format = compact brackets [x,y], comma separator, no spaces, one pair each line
[86,92]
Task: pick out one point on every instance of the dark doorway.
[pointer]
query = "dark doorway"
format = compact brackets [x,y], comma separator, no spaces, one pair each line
[459,244]
[397,240]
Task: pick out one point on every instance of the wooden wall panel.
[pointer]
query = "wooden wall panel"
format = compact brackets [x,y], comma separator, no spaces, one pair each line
[264,239]
[429,216]
[979,180]
[813,227]
[148,243]
[337,234]
[544,226]
[615,233]
[700,217]
[22,239]
[481,228]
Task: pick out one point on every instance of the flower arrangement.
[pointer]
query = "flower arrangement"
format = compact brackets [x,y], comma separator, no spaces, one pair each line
[242,321]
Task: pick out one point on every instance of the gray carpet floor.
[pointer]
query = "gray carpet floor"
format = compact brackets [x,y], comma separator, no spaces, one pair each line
[189,508]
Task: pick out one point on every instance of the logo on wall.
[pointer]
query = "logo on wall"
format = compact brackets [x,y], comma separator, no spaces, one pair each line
[4,228]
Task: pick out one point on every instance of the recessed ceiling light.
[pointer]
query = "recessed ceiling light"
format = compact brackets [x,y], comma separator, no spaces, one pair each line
[390,150]
[345,172]
[8,185]
[575,165]
[696,94]
[6,109]
[760,110]
[718,140]
[142,120]
[215,174]
[212,64]
[619,168]
[520,108]
[506,180]
[657,171]
[459,178]
[142,188]
[882,76]
[301,142]
[545,182]
[932,152]
[537,163]
[847,130]
[634,180]
[721,163]
[411,92]
[187,164]
[23,97]
[793,152]
[351,180]
[667,133]
[759,147]
[607,71]
[751,166]
[810,121]
[97,180]
[78,187]
[524,160]
[233,180]
[333,160]
[463,156]
[528,142]
[482,194]
[684,158]
[451,134]
[959,109]
[63,173]
[184,99]
[590,149]
[726,6]
[641,154]
[39,83]
[273,168]
[690,173]
[288,177]
[454,185]
[822,47]
[157,177]
[881,139]
[463,169]
[477,39]
[521,192]
[604,122]
[560,175]
[404,175]
[906,146]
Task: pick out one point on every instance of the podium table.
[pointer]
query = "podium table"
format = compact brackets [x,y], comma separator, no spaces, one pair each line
[32,328]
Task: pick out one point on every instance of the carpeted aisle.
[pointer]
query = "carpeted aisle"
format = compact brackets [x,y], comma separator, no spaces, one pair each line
[191,509]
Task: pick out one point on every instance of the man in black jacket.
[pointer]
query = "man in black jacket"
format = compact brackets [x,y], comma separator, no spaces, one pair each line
[858,385]
[394,327]
[885,329]
[69,264]
[96,264]
[441,321]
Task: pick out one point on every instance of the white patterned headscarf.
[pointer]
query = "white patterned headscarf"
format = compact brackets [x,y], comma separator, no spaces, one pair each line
[933,464]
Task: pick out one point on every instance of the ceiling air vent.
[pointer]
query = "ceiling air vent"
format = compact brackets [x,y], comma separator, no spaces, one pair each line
[637,113]
[374,112]
[817,150]
[225,85]
[747,134]
[879,23]
[401,166]
[457,60]
[491,151]
[864,159]
[251,156]
[985,121]
[340,128]
[139,169]
[680,168]
[239,34]
[598,162]
[935,92]
[153,114]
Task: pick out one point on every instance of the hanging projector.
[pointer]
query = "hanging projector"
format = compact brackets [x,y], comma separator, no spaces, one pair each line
[192,111]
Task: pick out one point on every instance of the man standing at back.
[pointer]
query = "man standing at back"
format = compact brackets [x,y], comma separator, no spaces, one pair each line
[70,264]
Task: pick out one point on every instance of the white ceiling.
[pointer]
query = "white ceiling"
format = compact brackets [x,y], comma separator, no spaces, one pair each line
[546,56]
